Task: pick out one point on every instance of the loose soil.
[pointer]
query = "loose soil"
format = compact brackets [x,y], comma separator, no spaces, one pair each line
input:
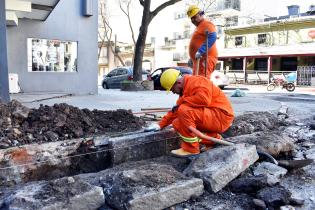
[20,125]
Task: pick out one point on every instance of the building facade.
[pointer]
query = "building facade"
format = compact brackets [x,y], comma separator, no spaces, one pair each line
[52,45]
[277,46]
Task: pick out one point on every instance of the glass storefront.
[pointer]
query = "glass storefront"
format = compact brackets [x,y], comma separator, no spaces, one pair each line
[47,55]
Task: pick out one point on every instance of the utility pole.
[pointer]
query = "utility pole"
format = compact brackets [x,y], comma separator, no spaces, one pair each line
[4,77]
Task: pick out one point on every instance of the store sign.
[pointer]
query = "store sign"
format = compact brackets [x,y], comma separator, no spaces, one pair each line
[51,55]
[311,34]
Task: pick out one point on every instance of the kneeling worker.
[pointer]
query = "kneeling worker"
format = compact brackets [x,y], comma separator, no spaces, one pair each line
[202,108]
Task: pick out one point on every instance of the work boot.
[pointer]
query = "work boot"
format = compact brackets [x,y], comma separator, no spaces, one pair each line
[182,153]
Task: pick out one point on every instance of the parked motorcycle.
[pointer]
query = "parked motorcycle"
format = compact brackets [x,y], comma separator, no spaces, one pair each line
[279,82]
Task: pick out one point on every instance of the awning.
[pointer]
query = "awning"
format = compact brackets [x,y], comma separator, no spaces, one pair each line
[28,9]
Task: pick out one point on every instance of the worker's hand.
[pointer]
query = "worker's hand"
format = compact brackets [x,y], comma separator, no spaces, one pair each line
[175,108]
[152,127]
[198,55]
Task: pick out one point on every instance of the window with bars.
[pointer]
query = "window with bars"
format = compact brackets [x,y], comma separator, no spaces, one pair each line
[262,38]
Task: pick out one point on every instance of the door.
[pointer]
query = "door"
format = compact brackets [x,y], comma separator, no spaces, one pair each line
[110,78]
[122,74]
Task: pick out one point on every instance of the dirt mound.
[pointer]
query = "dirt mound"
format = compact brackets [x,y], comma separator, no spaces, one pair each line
[20,125]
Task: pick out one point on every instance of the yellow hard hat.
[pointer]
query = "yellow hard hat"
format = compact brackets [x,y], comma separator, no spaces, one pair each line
[192,11]
[168,78]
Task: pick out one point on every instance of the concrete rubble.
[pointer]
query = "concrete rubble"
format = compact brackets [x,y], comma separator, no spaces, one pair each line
[273,172]
[145,187]
[219,166]
[272,142]
[65,193]
[119,174]
[253,122]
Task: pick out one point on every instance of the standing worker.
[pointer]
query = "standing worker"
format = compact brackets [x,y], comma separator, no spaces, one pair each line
[201,108]
[204,55]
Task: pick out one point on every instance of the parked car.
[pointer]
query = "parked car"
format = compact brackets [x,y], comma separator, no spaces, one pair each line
[114,78]
[156,74]
[218,78]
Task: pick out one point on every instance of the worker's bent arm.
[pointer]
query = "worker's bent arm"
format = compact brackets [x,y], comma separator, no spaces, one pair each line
[167,119]
[212,37]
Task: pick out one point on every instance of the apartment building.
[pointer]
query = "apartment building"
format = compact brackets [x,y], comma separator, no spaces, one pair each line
[277,46]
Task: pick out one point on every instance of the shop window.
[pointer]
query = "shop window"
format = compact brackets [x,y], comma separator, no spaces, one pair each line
[262,38]
[47,55]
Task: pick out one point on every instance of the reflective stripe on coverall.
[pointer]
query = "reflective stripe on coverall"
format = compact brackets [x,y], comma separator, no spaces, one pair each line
[203,106]
[196,41]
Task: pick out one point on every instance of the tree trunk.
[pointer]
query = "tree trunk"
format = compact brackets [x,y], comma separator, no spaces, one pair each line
[137,68]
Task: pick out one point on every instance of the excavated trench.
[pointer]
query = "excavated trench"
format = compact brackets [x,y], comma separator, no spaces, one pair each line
[115,138]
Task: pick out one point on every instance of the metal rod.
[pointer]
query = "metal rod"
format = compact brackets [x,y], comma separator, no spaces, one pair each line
[206,60]
[152,111]
[198,63]
[157,108]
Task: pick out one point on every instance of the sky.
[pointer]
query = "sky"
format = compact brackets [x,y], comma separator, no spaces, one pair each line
[163,24]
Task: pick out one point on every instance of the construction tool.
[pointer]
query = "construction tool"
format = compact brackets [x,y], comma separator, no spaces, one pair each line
[206,60]
[203,136]
[197,68]
[159,108]
[152,111]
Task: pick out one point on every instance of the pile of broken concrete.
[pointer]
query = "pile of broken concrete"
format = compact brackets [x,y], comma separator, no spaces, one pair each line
[226,177]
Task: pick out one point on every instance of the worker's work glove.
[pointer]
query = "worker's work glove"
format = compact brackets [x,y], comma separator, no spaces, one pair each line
[198,55]
[175,108]
[152,127]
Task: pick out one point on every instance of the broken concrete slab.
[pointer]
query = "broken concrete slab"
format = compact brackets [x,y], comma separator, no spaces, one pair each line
[222,200]
[150,186]
[272,142]
[253,122]
[141,146]
[34,161]
[273,172]
[218,166]
[274,197]
[66,193]
[47,161]
[248,185]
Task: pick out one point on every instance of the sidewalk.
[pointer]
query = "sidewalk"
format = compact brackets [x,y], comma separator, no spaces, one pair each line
[113,99]
[263,89]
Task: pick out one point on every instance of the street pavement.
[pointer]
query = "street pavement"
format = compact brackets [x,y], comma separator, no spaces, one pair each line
[113,99]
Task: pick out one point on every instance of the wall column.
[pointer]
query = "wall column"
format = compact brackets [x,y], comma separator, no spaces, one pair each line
[244,69]
[4,78]
[269,68]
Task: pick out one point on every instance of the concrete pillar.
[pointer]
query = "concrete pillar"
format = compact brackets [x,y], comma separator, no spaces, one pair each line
[269,67]
[244,68]
[4,78]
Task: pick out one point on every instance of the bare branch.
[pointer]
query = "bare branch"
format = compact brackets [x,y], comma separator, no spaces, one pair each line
[161,7]
[108,35]
[141,2]
[127,13]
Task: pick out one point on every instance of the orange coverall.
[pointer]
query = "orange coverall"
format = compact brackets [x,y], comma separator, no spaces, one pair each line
[203,106]
[197,39]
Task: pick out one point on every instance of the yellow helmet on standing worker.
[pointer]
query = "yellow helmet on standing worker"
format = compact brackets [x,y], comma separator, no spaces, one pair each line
[168,78]
[192,11]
